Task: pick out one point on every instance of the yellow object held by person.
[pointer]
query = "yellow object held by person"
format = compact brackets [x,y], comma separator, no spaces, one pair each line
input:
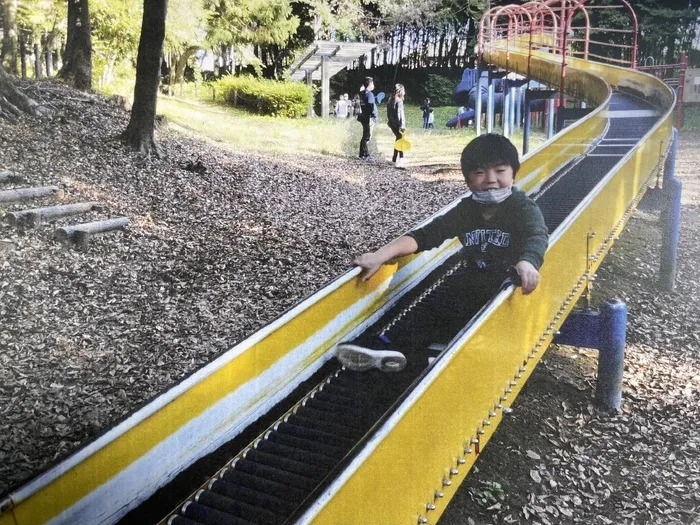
[402,144]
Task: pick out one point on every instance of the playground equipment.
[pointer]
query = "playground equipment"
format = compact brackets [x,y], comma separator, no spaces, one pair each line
[388,449]
[507,92]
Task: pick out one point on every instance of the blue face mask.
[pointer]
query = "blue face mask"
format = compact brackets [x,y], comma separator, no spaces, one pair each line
[492,196]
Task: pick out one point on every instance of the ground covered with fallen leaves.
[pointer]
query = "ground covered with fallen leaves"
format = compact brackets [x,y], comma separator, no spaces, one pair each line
[86,337]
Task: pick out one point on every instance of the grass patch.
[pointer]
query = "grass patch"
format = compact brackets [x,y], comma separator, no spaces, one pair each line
[414,116]
[341,137]
[245,131]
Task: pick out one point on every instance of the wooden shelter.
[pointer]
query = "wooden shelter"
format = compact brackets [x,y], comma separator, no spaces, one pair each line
[323,59]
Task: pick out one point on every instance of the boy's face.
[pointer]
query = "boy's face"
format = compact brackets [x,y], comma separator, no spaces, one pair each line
[494,177]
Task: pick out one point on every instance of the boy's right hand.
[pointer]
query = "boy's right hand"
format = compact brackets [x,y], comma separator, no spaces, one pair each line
[370,264]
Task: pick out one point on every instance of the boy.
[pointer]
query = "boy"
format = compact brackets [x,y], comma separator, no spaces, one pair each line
[367,117]
[426,109]
[500,228]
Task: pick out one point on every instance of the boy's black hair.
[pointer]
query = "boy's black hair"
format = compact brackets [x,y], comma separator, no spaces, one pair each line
[487,150]
[367,81]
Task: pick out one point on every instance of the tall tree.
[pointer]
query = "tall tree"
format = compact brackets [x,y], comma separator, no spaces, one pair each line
[141,128]
[77,59]
[261,24]
[9,40]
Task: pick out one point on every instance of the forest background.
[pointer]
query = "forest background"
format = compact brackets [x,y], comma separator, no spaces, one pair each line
[422,43]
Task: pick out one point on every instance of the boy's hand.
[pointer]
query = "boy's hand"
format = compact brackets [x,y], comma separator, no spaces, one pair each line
[529,276]
[370,264]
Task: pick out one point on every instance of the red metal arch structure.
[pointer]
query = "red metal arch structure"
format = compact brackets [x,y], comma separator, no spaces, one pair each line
[566,26]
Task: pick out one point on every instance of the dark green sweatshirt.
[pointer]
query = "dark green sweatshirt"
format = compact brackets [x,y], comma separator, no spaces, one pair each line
[515,232]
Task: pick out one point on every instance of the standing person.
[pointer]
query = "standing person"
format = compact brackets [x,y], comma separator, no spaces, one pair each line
[431,119]
[348,105]
[367,117]
[356,106]
[341,108]
[396,119]
[426,113]
[501,229]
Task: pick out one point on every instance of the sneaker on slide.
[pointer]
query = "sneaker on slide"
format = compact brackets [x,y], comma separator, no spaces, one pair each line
[359,359]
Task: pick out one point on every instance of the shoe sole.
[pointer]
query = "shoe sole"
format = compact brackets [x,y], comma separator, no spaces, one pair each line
[359,359]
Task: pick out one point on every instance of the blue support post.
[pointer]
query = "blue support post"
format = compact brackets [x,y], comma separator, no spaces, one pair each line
[671,219]
[477,102]
[489,104]
[527,124]
[550,119]
[611,354]
[505,111]
[605,331]
[511,113]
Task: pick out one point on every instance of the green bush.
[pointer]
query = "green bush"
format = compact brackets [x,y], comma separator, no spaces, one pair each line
[266,97]
[439,90]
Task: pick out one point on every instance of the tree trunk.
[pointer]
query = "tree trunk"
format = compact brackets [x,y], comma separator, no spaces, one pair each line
[452,53]
[424,61]
[23,54]
[670,49]
[14,103]
[401,44]
[48,53]
[140,131]
[181,62]
[77,60]
[441,57]
[9,41]
[108,71]
[37,61]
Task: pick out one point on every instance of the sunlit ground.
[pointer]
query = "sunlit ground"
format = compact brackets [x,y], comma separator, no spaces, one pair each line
[245,131]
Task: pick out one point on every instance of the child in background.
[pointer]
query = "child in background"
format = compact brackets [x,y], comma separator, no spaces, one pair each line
[425,108]
[500,228]
[341,108]
[431,119]
[348,105]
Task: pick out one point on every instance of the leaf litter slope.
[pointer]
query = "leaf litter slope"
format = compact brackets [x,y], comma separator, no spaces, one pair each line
[87,337]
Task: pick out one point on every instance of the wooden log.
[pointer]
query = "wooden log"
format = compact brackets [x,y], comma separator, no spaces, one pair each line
[36,216]
[8,176]
[21,194]
[81,234]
